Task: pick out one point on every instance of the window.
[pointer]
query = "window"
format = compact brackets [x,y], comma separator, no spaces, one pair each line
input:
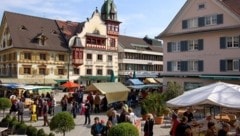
[112,42]
[193,65]
[89,56]
[192,23]
[27,71]
[76,71]
[202,21]
[233,65]
[193,45]
[176,46]
[43,56]
[176,65]
[201,6]
[27,56]
[60,71]
[42,71]
[89,71]
[232,42]
[99,57]
[61,57]
[230,65]
[211,20]
[109,72]
[99,72]
[109,58]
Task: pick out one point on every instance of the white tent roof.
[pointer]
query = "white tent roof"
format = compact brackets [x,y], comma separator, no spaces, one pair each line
[220,93]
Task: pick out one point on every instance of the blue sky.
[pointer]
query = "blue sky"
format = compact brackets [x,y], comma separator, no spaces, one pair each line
[138,17]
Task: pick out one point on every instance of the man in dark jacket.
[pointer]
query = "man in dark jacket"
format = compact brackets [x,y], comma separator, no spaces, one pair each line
[97,128]
[87,112]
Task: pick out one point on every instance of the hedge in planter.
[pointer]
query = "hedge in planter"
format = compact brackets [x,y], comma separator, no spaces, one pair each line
[124,129]
[31,131]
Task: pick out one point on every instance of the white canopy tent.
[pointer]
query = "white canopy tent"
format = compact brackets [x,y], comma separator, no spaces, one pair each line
[219,94]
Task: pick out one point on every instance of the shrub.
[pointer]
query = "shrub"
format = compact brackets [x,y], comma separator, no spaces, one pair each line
[21,128]
[41,132]
[13,122]
[124,129]
[31,131]
[5,103]
[51,134]
[7,119]
[62,122]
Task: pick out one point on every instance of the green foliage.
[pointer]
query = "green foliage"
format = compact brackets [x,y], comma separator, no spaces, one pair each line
[41,132]
[62,122]
[7,119]
[13,122]
[155,103]
[173,90]
[51,134]
[124,129]
[5,103]
[31,131]
[21,128]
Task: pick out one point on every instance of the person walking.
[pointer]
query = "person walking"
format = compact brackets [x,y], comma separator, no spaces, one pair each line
[87,112]
[97,102]
[175,123]
[148,126]
[45,113]
[20,109]
[74,109]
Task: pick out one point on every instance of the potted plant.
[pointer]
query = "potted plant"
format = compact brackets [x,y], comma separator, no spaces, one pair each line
[155,103]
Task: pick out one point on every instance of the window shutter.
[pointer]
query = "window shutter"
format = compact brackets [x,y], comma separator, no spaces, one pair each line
[183,45]
[169,47]
[184,66]
[222,65]
[169,66]
[220,19]
[239,65]
[200,66]
[184,24]
[201,21]
[222,42]
[200,44]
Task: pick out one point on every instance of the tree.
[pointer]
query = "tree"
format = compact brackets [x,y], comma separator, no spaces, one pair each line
[5,103]
[124,129]
[62,122]
[173,90]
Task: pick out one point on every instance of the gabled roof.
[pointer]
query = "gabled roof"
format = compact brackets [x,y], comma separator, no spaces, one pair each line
[128,42]
[233,5]
[69,28]
[24,29]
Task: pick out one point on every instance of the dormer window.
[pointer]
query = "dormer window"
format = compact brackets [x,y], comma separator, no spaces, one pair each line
[54,32]
[41,39]
[22,27]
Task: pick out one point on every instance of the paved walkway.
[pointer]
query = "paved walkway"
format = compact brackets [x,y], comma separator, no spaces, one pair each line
[84,130]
